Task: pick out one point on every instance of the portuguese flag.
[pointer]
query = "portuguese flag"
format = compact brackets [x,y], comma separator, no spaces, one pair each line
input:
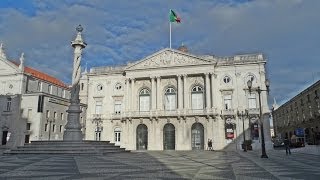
[173,17]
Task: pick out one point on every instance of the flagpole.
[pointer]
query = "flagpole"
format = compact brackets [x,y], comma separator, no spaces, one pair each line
[170,33]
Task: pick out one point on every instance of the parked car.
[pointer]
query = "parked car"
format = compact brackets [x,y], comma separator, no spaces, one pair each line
[278,143]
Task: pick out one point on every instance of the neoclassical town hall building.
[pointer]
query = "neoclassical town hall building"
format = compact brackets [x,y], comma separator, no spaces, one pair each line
[174,100]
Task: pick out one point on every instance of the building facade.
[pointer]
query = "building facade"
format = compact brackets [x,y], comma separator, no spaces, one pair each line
[174,100]
[299,118]
[38,104]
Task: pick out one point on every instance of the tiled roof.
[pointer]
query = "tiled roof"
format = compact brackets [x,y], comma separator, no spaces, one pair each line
[42,76]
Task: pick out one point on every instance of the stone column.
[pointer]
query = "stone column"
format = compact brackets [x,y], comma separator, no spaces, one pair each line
[133,95]
[128,95]
[73,126]
[180,101]
[208,104]
[158,93]
[185,93]
[212,90]
[153,93]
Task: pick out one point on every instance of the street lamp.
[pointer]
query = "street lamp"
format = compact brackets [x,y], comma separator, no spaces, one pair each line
[242,115]
[258,90]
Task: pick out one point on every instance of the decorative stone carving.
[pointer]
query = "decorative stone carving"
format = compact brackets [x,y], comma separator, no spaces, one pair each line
[168,58]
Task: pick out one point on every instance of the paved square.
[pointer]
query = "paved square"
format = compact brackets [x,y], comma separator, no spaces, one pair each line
[163,165]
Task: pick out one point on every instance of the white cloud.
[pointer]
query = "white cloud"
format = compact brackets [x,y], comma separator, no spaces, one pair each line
[120,31]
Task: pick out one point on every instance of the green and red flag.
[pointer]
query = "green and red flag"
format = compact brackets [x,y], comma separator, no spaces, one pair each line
[173,17]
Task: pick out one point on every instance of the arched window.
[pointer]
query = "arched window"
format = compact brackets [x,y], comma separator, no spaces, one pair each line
[144,100]
[197,97]
[170,99]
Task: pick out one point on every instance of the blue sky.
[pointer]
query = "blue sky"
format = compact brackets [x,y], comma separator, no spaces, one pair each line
[286,31]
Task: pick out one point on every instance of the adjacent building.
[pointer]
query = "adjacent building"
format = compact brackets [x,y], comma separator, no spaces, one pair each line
[33,104]
[299,118]
[174,100]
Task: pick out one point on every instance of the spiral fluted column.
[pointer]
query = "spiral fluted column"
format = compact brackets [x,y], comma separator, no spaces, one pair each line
[73,126]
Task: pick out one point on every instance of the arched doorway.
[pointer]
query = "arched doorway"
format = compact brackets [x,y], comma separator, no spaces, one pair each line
[197,138]
[169,142]
[142,137]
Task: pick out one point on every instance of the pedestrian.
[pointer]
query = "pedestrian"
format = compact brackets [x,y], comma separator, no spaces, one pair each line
[287,145]
[211,142]
[209,145]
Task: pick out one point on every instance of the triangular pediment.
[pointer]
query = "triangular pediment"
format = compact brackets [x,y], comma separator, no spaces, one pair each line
[7,67]
[168,58]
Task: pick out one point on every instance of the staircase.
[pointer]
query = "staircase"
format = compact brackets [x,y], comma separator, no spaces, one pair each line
[67,148]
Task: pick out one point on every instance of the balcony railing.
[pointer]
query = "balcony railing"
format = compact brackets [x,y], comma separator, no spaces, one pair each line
[156,113]
[227,112]
[254,111]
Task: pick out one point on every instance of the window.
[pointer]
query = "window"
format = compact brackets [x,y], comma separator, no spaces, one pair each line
[55,115]
[117,107]
[98,107]
[226,79]
[117,135]
[82,85]
[47,113]
[29,114]
[227,102]
[99,87]
[170,99]
[49,88]
[308,98]
[8,108]
[61,116]
[316,93]
[144,100]
[53,128]
[40,103]
[39,86]
[60,128]
[252,101]
[118,86]
[197,97]
[45,127]
[28,126]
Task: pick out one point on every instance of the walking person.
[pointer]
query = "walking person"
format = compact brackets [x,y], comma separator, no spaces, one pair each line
[208,147]
[287,145]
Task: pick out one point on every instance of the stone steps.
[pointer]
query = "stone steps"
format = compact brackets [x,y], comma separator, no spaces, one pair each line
[67,147]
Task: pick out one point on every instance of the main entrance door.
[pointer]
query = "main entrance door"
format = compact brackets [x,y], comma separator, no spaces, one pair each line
[169,137]
[142,137]
[197,138]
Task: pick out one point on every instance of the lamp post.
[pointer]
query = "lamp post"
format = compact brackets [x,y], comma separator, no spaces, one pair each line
[242,115]
[259,90]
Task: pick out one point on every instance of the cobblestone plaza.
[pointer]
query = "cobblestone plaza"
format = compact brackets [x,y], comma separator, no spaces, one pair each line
[165,165]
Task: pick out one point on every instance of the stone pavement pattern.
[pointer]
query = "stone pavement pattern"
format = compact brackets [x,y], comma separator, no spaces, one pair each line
[163,165]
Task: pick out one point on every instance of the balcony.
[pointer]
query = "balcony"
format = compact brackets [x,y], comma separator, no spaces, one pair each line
[227,112]
[164,113]
[254,111]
